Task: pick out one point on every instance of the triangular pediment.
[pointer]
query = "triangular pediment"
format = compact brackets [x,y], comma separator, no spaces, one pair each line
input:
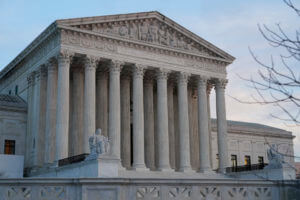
[148,27]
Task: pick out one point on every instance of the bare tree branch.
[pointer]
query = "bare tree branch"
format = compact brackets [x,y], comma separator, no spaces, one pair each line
[276,83]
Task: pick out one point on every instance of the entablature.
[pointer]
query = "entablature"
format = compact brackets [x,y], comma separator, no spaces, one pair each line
[72,39]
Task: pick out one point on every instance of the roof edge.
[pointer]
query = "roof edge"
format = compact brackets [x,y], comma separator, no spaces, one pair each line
[31,46]
[142,15]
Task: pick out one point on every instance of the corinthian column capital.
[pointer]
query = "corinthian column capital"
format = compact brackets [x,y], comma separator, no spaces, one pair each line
[90,62]
[162,74]
[51,64]
[30,78]
[116,66]
[41,72]
[202,81]
[64,57]
[138,70]
[183,77]
[221,83]
[209,87]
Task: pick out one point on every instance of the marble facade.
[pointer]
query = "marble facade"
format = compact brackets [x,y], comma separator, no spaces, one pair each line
[141,78]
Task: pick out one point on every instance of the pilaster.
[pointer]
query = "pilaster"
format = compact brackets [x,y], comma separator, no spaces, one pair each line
[149,122]
[125,121]
[39,118]
[102,100]
[77,94]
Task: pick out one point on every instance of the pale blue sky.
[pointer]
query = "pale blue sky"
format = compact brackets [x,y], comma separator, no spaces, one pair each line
[230,25]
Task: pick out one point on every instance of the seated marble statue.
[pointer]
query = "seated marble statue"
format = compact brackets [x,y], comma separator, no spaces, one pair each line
[99,145]
[274,157]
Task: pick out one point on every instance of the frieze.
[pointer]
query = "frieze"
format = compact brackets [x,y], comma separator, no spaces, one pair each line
[206,65]
[87,41]
[150,31]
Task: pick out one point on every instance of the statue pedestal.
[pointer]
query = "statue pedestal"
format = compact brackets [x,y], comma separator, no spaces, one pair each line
[101,167]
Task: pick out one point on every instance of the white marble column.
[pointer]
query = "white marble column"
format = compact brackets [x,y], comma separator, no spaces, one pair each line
[51,111]
[39,116]
[184,137]
[138,119]
[149,123]
[208,90]
[89,107]
[62,107]
[221,124]
[114,123]
[76,125]
[162,122]
[204,152]
[102,101]
[30,120]
[125,121]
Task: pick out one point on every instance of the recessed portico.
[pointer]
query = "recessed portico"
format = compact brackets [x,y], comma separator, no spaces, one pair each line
[143,81]
[78,77]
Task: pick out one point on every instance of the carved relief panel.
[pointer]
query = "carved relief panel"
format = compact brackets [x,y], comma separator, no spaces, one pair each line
[150,31]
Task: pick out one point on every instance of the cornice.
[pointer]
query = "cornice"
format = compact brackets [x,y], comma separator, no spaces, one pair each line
[146,46]
[193,36]
[260,133]
[57,26]
[144,16]
[34,44]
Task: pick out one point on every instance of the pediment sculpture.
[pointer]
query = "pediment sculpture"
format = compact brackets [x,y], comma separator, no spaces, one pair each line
[150,31]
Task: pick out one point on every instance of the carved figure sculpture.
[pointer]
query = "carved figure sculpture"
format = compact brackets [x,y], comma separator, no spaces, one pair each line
[99,145]
[275,158]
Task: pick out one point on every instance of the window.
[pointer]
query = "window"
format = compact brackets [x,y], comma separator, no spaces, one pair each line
[233,161]
[16,90]
[247,160]
[9,147]
[260,160]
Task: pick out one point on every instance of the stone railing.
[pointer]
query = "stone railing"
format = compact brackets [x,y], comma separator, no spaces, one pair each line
[142,189]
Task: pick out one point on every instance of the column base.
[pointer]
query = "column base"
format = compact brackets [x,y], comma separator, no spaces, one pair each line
[221,171]
[140,168]
[206,171]
[186,169]
[165,169]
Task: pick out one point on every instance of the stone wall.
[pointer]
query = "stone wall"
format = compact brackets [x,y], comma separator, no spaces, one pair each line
[13,127]
[137,189]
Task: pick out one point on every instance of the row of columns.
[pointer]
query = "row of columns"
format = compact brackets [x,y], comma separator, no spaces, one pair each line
[57,114]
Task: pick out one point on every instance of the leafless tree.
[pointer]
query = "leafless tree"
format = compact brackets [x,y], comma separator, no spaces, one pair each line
[278,83]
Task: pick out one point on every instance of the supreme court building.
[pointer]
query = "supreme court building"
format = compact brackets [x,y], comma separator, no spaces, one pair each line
[146,82]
